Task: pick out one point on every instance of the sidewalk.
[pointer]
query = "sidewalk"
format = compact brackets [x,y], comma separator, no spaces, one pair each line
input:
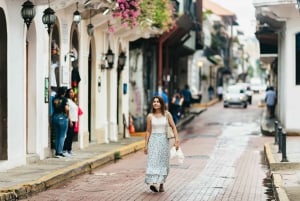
[285,175]
[21,182]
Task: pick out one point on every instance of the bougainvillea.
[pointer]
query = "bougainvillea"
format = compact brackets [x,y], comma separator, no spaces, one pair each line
[144,13]
[128,11]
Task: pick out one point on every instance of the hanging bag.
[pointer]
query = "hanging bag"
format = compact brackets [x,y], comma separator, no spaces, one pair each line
[177,154]
[170,133]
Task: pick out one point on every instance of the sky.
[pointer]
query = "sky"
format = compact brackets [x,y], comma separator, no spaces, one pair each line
[244,11]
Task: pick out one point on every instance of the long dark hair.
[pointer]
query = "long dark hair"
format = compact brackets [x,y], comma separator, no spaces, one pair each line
[68,93]
[61,91]
[162,104]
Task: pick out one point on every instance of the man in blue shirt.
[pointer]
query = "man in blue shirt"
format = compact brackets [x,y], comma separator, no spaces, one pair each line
[187,96]
[270,100]
[163,95]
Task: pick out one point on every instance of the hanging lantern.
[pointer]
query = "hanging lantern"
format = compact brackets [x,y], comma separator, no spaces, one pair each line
[110,56]
[28,12]
[121,60]
[49,18]
[90,27]
[76,16]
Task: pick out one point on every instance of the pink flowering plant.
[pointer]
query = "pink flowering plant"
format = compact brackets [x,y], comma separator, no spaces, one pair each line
[128,11]
[145,13]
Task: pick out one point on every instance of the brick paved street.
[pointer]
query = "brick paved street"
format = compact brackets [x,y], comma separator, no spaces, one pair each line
[224,162]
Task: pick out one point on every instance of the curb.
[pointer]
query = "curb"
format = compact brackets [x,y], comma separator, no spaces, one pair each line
[279,192]
[22,191]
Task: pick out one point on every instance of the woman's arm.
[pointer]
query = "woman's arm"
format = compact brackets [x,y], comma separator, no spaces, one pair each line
[148,133]
[173,126]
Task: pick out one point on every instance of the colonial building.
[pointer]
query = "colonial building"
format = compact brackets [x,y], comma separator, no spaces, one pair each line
[56,50]
[278,31]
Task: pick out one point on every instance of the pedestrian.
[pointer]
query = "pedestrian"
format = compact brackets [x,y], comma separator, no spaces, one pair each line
[187,96]
[164,95]
[271,100]
[210,92]
[60,120]
[176,107]
[73,120]
[157,144]
[220,92]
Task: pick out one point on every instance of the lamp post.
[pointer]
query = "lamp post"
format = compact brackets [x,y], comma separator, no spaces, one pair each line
[28,12]
[121,64]
[49,18]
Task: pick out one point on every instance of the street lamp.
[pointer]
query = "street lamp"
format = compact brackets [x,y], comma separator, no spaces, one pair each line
[90,27]
[76,16]
[121,61]
[109,60]
[28,12]
[110,56]
[49,18]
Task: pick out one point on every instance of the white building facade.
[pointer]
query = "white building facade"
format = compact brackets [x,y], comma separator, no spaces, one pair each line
[279,25]
[27,57]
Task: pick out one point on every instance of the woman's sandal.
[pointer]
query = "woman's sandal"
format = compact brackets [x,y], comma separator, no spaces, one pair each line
[154,188]
[161,188]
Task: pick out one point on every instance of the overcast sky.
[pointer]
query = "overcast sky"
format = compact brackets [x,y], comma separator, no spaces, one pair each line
[244,11]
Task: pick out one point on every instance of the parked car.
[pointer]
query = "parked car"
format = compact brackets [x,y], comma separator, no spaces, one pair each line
[258,88]
[235,95]
[248,90]
[257,85]
[196,96]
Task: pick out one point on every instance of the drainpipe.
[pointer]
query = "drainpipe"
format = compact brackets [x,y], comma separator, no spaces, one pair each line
[161,42]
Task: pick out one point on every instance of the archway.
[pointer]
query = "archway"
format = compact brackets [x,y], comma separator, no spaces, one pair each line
[54,75]
[75,76]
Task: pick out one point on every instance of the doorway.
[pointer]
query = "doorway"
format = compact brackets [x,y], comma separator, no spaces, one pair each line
[3,86]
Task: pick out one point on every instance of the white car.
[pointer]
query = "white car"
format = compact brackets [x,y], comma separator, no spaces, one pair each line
[248,90]
[235,95]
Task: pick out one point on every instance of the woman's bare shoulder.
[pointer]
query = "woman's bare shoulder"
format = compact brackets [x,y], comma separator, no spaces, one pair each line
[149,116]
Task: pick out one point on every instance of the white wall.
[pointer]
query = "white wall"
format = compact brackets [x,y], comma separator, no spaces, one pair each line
[289,91]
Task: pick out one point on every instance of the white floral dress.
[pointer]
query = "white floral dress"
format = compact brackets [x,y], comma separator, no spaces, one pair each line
[158,152]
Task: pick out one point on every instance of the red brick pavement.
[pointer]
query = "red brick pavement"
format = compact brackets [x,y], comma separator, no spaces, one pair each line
[227,167]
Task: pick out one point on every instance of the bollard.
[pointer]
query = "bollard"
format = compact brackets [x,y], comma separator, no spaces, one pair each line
[276,132]
[283,146]
[279,138]
[124,126]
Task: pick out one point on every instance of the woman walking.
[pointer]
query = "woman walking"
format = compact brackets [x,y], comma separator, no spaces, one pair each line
[157,144]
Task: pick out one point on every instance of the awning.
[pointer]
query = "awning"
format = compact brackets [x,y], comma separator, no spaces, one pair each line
[212,56]
[177,37]
[183,51]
